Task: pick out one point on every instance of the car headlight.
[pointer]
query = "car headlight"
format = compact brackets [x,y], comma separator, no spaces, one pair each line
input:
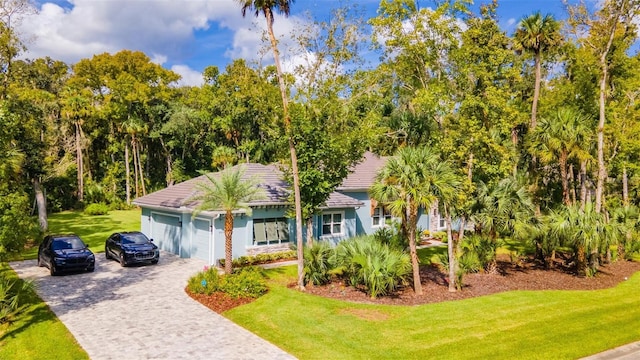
[91,257]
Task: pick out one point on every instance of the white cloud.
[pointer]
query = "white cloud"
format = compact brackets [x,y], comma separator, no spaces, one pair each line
[162,29]
[511,21]
[190,77]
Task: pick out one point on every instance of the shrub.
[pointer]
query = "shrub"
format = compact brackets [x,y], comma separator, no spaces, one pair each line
[318,263]
[483,248]
[205,282]
[392,237]
[440,236]
[248,282]
[97,209]
[11,294]
[372,265]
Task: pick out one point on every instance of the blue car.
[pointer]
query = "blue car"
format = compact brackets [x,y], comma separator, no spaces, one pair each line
[61,253]
[132,247]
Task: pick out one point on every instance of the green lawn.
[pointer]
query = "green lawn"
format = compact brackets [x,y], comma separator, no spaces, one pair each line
[518,324]
[38,334]
[93,229]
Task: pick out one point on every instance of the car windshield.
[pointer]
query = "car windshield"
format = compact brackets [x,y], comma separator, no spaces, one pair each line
[71,243]
[134,239]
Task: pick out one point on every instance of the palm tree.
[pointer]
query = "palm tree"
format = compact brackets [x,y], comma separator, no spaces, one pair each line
[587,231]
[504,209]
[266,7]
[415,178]
[227,192]
[537,34]
[561,137]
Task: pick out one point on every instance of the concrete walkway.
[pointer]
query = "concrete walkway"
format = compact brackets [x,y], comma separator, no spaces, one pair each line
[143,313]
[625,352]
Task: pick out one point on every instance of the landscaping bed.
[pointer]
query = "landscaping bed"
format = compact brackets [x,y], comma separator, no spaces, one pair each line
[524,276]
[527,275]
[218,301]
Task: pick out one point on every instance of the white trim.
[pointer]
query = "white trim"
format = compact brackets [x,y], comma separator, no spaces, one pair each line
[342,224]
[383,217]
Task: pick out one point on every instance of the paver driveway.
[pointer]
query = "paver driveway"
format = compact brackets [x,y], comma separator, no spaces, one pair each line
[143,313]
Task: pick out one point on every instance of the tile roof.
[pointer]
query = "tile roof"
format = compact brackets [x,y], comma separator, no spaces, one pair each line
[268,177]
[364,173]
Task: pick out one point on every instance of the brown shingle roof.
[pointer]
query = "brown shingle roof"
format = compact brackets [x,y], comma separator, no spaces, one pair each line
[364,173]
[268,177]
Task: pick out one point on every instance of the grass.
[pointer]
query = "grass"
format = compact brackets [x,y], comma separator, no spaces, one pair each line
[93,229]
[38,334]
[517,324]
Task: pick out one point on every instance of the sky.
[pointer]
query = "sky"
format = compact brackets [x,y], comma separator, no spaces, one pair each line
[188,35]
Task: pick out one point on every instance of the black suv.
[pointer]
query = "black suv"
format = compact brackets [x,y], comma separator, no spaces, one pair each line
[130,248]
[65,253]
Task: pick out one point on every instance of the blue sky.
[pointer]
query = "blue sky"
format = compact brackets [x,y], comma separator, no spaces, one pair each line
[188,35]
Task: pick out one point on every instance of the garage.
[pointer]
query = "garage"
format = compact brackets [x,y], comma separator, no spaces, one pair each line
[166,232]
[201,242]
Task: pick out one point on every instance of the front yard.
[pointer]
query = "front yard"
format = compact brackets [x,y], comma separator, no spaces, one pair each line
[516,324]
[553,324]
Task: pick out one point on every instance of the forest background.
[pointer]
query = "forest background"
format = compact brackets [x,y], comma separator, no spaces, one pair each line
[549,110]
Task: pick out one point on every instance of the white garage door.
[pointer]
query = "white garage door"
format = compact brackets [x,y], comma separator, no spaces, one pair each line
[201,242]
[166,231]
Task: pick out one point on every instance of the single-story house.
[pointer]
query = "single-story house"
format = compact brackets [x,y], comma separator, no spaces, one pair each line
[168,218]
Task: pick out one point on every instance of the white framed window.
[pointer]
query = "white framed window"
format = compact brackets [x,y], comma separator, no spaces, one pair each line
[380,217]
[270,231]
[333,223]
[442,222]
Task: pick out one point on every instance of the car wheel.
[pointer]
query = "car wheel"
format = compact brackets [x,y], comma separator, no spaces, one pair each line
[154,262]
[123,263]
[52,269]
[106,254]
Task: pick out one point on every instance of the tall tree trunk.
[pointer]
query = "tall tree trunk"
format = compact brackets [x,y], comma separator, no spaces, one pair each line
[536,91]
[228,242]
[412,220]
[564,179]
[140,169]
[583,184]
[625,186]
[453,260]
[42,205]
[581,261]
[604,67]
[572,184]
[310,231]
[292,150]
[135,165]
[127,172]
[79,163]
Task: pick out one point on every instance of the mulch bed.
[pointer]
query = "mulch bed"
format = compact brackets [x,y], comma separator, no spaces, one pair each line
[526,275]
[218,302]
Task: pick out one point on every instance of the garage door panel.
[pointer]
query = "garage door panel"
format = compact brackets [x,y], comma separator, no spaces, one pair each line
[201,243]
[166,232]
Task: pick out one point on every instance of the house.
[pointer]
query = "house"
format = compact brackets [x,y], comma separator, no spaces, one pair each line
[168,218]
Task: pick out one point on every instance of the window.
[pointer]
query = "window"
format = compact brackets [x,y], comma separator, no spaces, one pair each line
[270,231]
[332,224]
[442,222]
[380,216]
